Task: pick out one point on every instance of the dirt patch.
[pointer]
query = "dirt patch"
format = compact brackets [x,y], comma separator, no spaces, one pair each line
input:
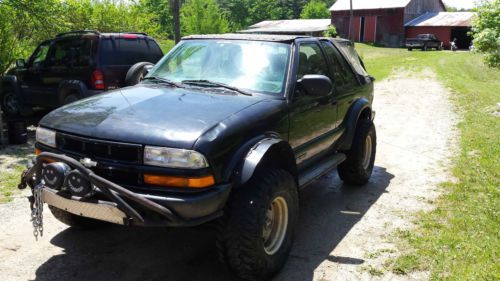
[343,232]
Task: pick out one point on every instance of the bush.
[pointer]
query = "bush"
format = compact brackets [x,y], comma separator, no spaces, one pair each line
[330,32]
[486,31]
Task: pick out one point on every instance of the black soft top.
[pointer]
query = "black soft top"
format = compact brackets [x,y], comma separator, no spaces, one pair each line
[250,37]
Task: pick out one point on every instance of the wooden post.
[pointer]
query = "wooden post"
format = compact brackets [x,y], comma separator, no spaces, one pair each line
[351,14]
[177,22]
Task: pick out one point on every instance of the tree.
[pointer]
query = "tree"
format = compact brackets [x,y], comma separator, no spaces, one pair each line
[203,17]
[486,31]
[237,12]
[261,10]
[315,9]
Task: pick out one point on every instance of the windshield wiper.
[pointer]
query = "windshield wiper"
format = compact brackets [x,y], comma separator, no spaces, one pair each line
[163,80]
[216,84]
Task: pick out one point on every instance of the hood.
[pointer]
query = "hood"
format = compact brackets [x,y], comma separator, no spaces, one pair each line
[148,114]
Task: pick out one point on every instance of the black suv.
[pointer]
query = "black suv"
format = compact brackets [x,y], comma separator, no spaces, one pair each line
[227,127]
[73,66]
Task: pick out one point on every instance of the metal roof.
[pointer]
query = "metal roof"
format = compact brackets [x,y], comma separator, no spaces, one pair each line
[443,19]
[243,36]
[343,5]
[289,26]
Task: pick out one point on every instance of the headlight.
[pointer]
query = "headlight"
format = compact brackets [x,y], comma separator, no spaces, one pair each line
[46,136]
[174,158]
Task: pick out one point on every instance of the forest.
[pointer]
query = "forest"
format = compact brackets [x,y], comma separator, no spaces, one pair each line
[26,23]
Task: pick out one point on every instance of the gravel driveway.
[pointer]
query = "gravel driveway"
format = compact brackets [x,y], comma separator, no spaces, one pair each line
[343,232]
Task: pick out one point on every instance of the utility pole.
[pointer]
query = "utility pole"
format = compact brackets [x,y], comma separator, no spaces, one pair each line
[175,4]
[350,21]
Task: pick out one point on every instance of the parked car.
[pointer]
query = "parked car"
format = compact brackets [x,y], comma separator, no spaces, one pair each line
[225,127]
[424,42]
[76,65]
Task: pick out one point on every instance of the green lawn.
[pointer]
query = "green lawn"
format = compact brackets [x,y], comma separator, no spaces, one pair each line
[460,239]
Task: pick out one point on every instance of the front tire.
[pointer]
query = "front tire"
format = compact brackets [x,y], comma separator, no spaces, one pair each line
[74,220]
[10,104]
[256,233]
[358,166]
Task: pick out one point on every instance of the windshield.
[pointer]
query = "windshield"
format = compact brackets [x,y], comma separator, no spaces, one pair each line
[249,65]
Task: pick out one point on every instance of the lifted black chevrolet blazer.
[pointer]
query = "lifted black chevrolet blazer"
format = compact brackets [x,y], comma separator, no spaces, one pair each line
[227,127]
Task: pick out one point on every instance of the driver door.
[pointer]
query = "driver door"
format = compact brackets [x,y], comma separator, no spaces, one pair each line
[312,118]
[30,78]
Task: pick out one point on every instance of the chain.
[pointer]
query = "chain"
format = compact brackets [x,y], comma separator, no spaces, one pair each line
[37,211]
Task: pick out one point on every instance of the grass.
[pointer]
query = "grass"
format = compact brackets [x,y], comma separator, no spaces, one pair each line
[460,239]
[9,179]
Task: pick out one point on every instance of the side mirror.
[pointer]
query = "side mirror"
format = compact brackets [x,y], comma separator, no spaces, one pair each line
[20,63]
[315,85]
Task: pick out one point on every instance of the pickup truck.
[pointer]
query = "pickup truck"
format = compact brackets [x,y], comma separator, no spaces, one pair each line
[225,127]
[424,42]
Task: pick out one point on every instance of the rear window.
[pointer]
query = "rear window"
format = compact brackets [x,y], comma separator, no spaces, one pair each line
[350,53]
[121,51]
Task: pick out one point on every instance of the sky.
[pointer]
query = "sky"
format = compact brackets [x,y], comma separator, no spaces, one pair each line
[460,3]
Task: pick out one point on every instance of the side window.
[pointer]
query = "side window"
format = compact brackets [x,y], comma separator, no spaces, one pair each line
[61,53]
[311,60]
[40,55]
[342,74]
[82,52]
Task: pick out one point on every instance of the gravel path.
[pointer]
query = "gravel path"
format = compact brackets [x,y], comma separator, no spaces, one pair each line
[342,232]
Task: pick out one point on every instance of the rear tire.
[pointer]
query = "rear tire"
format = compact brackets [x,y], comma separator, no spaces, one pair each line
[256,232]
[358,166]
[137,72]
[76,221]
[410,49]
[69,99]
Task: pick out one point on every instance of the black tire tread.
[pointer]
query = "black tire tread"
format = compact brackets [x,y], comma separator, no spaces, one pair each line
[235,244]
[351,170]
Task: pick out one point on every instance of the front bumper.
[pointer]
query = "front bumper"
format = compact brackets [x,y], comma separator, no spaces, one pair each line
[116,204]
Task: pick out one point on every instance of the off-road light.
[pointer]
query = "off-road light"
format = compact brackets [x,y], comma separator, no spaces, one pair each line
[78,185]
[53,174]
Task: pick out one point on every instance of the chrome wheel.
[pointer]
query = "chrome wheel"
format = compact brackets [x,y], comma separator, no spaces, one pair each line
[275,225]
[367,152]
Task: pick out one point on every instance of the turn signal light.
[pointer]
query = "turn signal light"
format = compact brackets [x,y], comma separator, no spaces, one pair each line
[171,181]
[38,151]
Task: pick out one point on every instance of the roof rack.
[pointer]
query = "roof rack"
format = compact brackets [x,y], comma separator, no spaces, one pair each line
[138,33]
[78,32]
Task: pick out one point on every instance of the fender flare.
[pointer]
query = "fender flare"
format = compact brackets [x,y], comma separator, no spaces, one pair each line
[251,154]
[355,111]
[11,82]
[70,86]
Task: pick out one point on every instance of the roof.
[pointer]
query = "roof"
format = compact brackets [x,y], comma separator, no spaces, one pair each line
[289,26]
[243,36]
[443,19]
[343,5]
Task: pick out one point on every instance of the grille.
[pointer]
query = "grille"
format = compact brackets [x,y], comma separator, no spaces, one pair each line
[100,150]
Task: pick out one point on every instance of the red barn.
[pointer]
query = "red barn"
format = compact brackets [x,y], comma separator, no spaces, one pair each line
[381,21]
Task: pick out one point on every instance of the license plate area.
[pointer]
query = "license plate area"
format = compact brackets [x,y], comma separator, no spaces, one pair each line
[102,210]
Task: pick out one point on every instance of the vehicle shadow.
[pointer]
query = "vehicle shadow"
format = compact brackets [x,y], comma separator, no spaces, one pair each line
[328,212]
